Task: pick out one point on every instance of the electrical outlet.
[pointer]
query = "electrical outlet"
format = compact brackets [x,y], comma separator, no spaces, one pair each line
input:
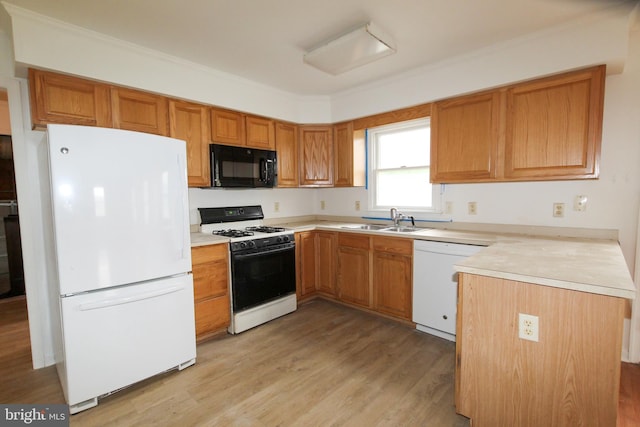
[448,208]
[473,208]
[580,203]
[558,210]
[322,204]
[357,205]
[276,206]
[528,327]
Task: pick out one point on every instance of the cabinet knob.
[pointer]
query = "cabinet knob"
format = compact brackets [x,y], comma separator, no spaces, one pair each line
[445,317]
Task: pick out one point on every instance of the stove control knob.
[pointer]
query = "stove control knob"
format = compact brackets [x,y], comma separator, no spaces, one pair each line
[279,239]
[252,244]
[243,245]
[285,238]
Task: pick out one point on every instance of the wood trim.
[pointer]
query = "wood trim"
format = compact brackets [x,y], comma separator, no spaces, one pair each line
[395,116]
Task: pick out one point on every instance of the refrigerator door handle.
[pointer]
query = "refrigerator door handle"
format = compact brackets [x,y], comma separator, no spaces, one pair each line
[185,250]
[127,300]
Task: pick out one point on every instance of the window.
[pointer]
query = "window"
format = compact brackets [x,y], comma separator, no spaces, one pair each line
[399,158]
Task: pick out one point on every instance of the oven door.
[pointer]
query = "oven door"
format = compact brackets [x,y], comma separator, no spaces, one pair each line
[262,276]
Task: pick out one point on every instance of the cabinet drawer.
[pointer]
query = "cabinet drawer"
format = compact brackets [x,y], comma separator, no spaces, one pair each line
[394,245]
[210,279]
[353,240]
[212,315]
[203,254]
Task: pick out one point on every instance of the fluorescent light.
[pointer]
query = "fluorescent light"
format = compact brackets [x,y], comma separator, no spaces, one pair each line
[358,47]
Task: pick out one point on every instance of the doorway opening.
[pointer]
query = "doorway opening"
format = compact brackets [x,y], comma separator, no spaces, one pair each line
[11,268]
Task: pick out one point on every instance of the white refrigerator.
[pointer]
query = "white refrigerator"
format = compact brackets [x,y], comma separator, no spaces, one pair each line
[119,258]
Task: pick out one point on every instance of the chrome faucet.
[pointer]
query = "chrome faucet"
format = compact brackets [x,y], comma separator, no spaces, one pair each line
[396,217]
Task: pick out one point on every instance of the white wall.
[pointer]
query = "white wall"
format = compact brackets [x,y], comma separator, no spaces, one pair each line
[292,201]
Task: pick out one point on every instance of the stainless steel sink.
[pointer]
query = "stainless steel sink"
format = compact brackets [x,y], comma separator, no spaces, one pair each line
[400,229]
[366,227]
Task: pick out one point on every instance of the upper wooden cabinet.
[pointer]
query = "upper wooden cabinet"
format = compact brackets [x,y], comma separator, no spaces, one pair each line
[554,127]
[227,127]
[56,98]
[315,145]
[546,129]
[260,132]
[234,128]
[348,156]
[139,111]
[287,149]
[464,138]
[190,122]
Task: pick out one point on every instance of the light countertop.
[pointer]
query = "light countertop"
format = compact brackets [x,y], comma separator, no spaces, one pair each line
[595,266]
[204,239]
[587,265]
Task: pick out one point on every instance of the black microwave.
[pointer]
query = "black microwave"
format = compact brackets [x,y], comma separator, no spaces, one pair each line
[242,167]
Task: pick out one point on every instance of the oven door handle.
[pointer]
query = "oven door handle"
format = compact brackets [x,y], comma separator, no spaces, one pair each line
[240,256]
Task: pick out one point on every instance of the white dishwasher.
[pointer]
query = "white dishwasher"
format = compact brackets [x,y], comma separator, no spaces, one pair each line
[435,289]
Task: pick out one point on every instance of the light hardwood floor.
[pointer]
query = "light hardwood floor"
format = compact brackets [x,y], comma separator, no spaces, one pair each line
[322,365]
[325,364]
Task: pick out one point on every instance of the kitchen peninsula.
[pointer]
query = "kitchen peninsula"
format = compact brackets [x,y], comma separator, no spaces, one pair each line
[576,288]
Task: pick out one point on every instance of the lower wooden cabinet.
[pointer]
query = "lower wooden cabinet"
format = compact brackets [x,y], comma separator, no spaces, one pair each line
[392,276]
[315,265]
[353,269]
[305,264]
[325,262]
[211,289]
[375,273]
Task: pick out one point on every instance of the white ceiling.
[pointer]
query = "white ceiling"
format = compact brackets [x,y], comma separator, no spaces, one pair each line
[264,40]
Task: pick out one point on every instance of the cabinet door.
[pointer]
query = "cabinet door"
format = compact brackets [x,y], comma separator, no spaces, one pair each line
[260,133]
[353,269]
[306,264]
[287,150]
[190,122]
[343,155]
[139,111]
[212,315]
[56,98]
[554,127]
[5,122]
[227,127]
[392,276]
[316,156]
[325,266]
[210,287]
[464,138]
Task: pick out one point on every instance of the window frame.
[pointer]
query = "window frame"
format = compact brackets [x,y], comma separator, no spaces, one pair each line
[372,169]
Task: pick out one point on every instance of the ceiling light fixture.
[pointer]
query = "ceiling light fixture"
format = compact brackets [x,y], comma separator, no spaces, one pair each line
[365,44]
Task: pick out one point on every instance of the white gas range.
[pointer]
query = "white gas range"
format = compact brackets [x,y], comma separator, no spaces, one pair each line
[263,275]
